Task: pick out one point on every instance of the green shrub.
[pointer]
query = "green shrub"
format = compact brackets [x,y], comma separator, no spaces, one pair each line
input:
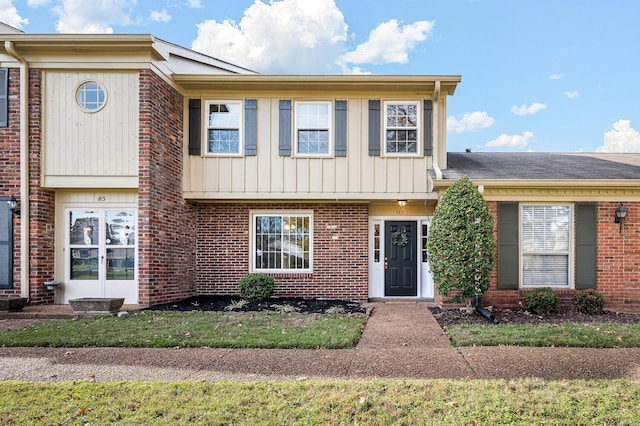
[589,302]
[256,286]
[460,245]
[541,300]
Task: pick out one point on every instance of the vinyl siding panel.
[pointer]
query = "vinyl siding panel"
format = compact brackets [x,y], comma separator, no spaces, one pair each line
[272,174]
[82,147]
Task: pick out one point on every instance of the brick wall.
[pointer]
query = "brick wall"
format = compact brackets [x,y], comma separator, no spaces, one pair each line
[10,169]
[340,260]
[42,204]
[619,258]
[618,264]
[165,221]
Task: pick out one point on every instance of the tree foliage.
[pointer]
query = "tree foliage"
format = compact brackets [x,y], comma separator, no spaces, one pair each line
[460,245]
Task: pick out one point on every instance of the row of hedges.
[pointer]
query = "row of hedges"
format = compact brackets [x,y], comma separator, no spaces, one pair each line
[544,301]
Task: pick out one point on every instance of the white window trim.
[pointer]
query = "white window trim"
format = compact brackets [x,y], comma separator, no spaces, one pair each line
[252,240]
[419,128]
[99,107]
[205,136]
[329,129]
[571,262]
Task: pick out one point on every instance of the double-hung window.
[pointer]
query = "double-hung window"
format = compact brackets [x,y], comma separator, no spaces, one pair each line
[313,128]
[545,237]
[224,127]
[401,127]
[282,242]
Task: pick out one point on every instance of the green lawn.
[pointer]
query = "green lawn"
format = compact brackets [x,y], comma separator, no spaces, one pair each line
[569,335]
[377,402]
[195,329]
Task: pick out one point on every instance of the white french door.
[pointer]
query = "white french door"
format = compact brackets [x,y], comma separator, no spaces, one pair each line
[101,254]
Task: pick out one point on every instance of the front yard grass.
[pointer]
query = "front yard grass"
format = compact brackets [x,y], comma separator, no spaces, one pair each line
[157,329]
[565,335]
[377,402]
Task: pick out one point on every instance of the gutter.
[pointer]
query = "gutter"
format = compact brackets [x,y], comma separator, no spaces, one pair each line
[24,168]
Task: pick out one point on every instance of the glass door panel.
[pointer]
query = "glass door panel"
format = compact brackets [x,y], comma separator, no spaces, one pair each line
[83,243]
[121,264]
[102,254]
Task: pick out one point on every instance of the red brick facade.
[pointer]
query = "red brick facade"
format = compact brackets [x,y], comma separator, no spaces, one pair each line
[166,222]
[42,203]
[340,247]
[618,263]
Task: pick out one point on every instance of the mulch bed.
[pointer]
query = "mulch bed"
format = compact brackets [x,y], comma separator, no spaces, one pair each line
[221,303]
[521,316]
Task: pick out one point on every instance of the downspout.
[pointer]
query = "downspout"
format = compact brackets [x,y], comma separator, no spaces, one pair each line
[24,168]
[436,118]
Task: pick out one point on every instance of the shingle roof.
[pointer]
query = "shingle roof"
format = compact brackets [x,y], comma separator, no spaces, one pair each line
[534,165]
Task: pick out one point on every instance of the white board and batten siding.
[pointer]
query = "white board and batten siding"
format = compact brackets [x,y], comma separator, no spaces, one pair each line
[268,175]
[90,149]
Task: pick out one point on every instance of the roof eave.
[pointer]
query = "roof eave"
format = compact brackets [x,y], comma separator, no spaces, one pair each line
[422,85]
[35,45]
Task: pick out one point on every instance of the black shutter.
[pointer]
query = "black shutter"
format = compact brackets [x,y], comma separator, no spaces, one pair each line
[508,249]
[4,97]
[586,246]
[428,127]
[250,127]
[341,129]
[195,126]
[374,128]
[285,128]
[6,244]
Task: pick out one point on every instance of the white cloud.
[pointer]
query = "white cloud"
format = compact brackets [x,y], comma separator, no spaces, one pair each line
[572,95]
[96,16]
[556,76]
[528,110]
[10,16]
[161,16]
[511,141]
[390,43]
[469,122]
[622,138]
[288,36]
[196,4]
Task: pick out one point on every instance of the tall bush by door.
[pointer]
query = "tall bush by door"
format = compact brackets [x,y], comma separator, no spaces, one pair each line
[460,244]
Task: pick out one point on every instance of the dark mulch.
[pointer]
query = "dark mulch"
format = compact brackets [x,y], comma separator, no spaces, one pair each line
[521,316]
[220,303]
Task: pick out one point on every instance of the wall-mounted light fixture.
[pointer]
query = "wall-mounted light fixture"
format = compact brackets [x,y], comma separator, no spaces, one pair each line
[13,206]
[621,213]
[402,203]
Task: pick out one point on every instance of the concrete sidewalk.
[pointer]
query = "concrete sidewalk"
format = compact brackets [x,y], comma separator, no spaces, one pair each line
[399,341]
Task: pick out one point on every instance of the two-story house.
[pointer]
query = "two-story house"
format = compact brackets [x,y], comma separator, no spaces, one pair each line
[155,173]
[148,171]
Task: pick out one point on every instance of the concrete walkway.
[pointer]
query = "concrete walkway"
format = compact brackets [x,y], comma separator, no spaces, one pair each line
[400,341]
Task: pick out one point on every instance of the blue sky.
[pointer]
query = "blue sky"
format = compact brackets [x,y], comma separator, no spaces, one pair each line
[545,75]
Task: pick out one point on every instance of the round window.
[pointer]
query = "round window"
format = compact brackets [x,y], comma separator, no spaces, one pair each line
[91,96]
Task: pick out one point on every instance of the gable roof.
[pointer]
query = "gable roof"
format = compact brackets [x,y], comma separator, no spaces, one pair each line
[541,166]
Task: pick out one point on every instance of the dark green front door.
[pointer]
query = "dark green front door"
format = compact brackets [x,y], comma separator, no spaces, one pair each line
[401,262]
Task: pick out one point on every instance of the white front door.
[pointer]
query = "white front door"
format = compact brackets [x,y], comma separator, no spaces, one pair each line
[101,254]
